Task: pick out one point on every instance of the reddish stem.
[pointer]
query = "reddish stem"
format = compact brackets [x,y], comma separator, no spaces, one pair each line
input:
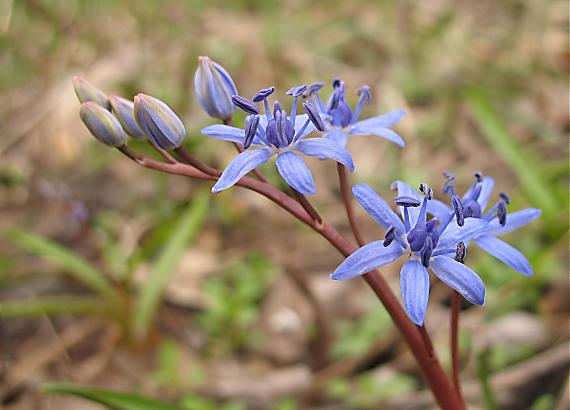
[442,389]
[347,200]
[308,207]
[427,340]
[455,310]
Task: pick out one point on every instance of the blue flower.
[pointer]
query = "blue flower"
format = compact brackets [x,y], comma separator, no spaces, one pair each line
[341,121]
[275,133]
[214,89]
[426,244]
[475,202]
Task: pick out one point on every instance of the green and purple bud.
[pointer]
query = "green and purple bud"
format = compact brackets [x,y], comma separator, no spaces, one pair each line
[88,92]
[102,124]
[123,110]
[214,89]
[158,122]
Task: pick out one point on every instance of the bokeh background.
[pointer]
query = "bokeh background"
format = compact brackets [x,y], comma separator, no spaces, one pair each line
[117,277]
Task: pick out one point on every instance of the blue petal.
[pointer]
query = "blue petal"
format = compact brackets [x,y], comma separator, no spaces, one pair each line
[377,208]
[367,258]
[385,120]
[325,148]
[514,221]
[459,277]
[406,190]
[383,132]
[337,136]
[293,170]
[487,186]
[454,233]
[438,209]
[228,133]
[241,165]
[505,253]
[414,282]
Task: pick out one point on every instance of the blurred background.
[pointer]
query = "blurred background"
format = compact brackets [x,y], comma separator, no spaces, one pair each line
[116,277]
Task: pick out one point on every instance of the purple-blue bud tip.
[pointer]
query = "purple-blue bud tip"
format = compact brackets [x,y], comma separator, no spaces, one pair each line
[263,94]
[297,91]
[88,92]
[123,110]
[245,105]
[102,124]
[407,201]
[159,123]
[251,124]
[460,252]
[314,116]
[214,89]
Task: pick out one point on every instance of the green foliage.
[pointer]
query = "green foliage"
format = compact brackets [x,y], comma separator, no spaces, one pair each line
[189,225]
[66,259]
[112,400]
[356,337]
[53,306]
[233,301]
[367,391]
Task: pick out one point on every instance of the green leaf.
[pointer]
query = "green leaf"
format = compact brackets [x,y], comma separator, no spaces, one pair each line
[188,226]
[521,162]
[111,399]
[75,265]
[52,306]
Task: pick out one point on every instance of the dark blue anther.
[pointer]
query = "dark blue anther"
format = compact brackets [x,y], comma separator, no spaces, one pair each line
[313,88]
[336,83]
[426,190]
[502,212]
[390,235]
[314,116]
[460,252]
[245,104]
[263,94]
[407,201]
[458,209]
[297,91]
[426,252]
[505,197]
[449,182]
[250,130]
[478,176]
[365,94]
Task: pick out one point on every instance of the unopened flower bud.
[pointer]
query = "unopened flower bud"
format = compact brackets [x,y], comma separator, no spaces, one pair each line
[214,89]
[102,124]
[251,124]
[124,109]
[88,92]
[158,122]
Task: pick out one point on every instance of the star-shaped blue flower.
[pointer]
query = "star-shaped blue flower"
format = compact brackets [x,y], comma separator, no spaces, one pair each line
[341,121]
[475,202]
[426,244]
[276,134]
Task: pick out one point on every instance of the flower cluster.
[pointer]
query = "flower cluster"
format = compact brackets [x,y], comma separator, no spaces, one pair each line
[429,233]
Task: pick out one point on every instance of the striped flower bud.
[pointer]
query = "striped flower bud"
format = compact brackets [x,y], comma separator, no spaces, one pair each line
[251,125]
[158,122]
[314,116]
[214,89]
[123,109]
[102,124]
[88,92]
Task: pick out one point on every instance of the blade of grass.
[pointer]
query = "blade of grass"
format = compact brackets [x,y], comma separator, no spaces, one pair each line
[188,226]
[75,265]
[111,399]
[524,164]
[52,306]
[485,380]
